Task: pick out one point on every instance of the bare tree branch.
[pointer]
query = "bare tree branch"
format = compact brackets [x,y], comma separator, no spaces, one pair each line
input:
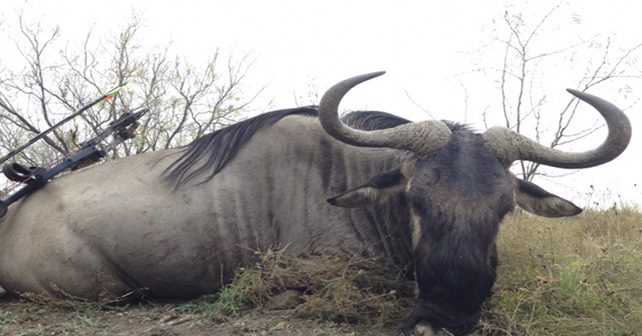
[517,76]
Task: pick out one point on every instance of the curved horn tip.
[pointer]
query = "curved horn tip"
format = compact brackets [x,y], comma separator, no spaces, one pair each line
[369,76]
[377,73]
[334,94]
[578,93]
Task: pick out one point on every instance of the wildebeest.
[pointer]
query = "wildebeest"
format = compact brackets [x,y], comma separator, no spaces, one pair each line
[176,223]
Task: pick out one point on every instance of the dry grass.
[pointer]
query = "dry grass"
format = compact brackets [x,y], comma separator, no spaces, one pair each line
[357,290]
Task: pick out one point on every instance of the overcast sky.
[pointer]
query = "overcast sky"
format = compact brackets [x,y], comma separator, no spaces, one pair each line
[429,50]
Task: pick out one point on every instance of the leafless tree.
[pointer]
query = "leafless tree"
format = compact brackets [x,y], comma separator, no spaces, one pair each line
[521,99]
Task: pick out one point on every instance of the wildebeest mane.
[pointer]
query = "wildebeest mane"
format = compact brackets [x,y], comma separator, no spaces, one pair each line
[221,146]
[210,153]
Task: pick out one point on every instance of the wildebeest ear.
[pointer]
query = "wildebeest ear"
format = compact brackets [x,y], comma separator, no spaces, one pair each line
[536,200]
[377,189]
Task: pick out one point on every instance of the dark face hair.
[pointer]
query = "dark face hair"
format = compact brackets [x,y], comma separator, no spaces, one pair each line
[458,198]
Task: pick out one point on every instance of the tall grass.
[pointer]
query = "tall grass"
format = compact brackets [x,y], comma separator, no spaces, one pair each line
[574,276]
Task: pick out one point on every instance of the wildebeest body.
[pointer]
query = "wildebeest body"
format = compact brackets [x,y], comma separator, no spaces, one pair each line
[119,226]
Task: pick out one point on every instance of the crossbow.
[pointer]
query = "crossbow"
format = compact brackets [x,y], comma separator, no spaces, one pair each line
[87,153]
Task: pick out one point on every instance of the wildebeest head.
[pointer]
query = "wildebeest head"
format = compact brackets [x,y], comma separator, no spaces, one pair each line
[459,188]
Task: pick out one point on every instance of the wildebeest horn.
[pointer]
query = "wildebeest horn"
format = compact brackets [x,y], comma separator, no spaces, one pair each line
[423,138]
[511,146]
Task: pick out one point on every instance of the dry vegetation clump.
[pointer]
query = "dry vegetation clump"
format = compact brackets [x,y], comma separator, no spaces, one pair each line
[358,290]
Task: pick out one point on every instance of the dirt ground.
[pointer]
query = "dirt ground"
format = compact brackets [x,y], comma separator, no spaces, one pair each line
[20,317]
